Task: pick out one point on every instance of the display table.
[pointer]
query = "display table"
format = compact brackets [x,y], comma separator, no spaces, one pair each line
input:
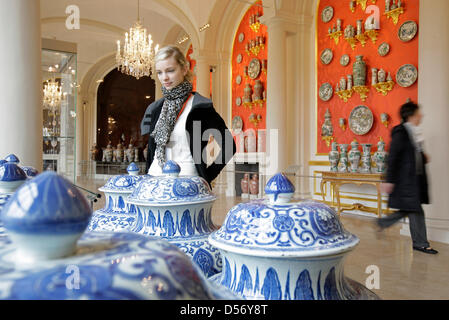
[337,179]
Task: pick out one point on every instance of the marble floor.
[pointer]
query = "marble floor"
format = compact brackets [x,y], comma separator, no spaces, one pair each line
[405,274]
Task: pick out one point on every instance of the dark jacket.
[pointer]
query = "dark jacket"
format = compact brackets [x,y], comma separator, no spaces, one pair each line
[410,190]
[201,118]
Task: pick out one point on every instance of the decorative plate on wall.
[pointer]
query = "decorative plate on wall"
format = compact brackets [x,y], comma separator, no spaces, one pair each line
[344,60]
[326,91]
[327,14]
[238,79]
[326,56]
[254,68]
[406,75]
[407,31]
[239,58]
[383,49]
[361,120]
[238,101]
[241,37]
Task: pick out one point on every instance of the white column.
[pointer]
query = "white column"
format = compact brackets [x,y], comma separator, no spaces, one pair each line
[276,97]
[433,78]
[80,170]
[203,76]
[21,81]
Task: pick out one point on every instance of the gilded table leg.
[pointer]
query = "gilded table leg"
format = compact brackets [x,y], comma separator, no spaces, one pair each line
[337,193]
[322,189]
[379,200]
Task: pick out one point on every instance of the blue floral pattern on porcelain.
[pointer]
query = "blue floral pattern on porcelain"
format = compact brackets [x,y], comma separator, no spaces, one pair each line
[279,184]
[116,214]
[170,190]
[285,250]
[112,266]
[296,228]
[178,208]
[30,171]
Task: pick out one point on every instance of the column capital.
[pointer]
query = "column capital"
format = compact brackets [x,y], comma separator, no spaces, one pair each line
[290,22]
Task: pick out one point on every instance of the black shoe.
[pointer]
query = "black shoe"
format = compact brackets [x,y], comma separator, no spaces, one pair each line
[426,250]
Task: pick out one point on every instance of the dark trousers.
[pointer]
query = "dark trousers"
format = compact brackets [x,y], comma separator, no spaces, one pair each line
[417,225]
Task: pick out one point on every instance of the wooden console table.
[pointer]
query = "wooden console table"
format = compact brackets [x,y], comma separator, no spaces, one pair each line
[337,179]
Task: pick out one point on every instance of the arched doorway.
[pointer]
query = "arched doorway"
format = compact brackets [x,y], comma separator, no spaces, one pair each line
[121,104]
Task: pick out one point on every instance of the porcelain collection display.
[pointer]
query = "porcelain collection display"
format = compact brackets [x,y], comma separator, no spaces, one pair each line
[380,157]
[359,71]
[284,250]
[366,158]
[116,214]
[354,156]
[343,162]
[41,255]
[178,209]
[334,157]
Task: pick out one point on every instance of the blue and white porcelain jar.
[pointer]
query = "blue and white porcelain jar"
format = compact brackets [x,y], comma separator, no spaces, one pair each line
[11,177]
[285,250]
[116,214]
[178,208]
[44,260]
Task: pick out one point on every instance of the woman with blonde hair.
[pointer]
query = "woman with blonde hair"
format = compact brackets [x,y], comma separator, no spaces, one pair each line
[180,124]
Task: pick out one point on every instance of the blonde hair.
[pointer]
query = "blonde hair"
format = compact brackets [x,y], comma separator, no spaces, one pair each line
[172,51]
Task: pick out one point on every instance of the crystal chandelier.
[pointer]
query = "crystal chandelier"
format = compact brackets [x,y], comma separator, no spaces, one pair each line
[52,94]
[137,58]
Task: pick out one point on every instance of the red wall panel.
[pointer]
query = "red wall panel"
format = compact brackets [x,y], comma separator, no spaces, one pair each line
[400,53]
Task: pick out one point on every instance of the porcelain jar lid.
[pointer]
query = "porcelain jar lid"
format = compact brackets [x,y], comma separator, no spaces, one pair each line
[283,229]
[11,177]
[46,204]
[171,189]
[123,183]
[12,158]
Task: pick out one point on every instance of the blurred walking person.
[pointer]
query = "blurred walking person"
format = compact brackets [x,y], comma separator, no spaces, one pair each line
[406,177]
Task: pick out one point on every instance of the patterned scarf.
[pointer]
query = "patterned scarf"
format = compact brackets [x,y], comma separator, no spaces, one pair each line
[174,99]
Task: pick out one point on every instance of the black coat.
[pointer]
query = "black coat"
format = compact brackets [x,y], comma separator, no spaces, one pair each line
[410,190]
[202,121]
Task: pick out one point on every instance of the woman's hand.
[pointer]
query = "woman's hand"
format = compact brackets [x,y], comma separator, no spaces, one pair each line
[387,187]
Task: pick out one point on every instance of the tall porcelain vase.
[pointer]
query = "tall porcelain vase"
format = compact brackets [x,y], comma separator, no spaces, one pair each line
[344,163]
[334,157]
[380,157]
[366,158]
[354,156]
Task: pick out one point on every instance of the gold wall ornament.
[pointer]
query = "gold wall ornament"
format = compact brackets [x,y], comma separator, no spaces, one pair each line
[328,140]
[362,3]
[362,38]
[345,94]
[352,42]
[394,14]
[336,36]
[362,91]
[255,119]
[372,34]
[384,87]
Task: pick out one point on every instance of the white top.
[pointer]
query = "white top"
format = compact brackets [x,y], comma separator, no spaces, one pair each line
[178,148]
